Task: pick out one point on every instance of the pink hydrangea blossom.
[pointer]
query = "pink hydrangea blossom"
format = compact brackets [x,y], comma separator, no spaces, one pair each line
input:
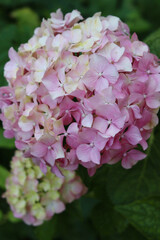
[81,92]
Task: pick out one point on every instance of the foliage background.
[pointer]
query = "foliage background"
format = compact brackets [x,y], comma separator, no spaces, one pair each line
[121,204]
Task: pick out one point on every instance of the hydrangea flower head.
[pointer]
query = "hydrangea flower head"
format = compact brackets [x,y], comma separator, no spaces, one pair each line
[81,92]
[35,197]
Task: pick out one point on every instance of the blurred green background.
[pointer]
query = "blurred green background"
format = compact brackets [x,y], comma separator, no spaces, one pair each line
[121,204]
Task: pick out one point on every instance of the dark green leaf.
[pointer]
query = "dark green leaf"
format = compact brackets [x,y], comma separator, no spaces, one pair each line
[1,215]
[11,218]
[27,21]
[144,215]
[9,33]
[3,175]
[26,16]
[72,224]
[154,42]
[47,230]
[143,180]
[86,205]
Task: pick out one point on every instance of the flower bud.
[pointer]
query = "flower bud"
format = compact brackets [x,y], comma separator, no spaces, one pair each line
[35,197]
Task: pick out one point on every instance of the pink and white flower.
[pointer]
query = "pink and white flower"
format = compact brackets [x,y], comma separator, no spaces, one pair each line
[81,92]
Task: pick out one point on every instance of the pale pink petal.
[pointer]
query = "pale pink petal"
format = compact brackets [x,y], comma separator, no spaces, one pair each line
[50,81]
[25,124]
[100,142]
[73,17]
[87,120]
[98,63]
[95,155]
[73,128]
[100,124]
[111,74]
[133,135]
[101,84]
[89,79]
[112,131]
[39,150]
[153,101]
[58,150]
[124,64]
[83,152]
[113,22]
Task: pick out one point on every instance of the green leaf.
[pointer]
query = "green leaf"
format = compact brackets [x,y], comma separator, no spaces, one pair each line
[27,21]
[11,218]
[143,180]
[131,15]
[153,41]
[1,215]
[86,205]
[71,224]
[26,16]
[13,3]
[6,143]
[106,220]
[3,175]
[144,215]
[9,33]
[47,230]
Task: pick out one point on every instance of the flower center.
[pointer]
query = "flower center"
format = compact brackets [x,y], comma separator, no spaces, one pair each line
[100,74]
[92,144]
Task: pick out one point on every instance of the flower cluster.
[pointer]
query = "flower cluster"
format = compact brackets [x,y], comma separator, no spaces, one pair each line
[35,197]
[81,92]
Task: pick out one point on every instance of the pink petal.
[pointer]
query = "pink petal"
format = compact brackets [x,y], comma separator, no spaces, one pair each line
[100,124]
[101,84]
[57,172]
[112,130]
[83,152]
[90,79]
[131,158]
[26,125]
[133,135]
[111,74]
[124,64]
[73,128]
[72,141]
[58,150]
[50,81]
[109,111]
[153,101]
[50,157]
[98,63]
[76,187]
[136,111]
[95,155]
[39,150]
[8,134]
[87,120]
